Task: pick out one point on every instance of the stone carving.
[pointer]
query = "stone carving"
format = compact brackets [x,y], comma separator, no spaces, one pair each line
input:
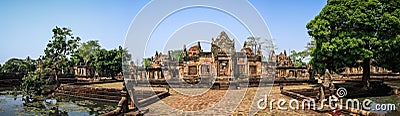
[326,88]
[283,59]
[223,44]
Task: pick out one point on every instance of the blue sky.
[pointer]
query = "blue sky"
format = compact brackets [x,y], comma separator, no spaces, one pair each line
[26,25]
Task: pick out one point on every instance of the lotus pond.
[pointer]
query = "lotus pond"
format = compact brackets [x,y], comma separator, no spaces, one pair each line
[13,103]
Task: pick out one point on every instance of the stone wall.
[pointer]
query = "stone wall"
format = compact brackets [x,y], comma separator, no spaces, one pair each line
[100,94]
[10,79]
[93,93]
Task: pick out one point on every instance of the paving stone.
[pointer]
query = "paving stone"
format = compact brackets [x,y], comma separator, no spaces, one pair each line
[201,104]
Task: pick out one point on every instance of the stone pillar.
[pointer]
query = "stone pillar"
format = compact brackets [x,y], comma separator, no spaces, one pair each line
[162,76]
[143,75]
[155,75]
[136,75]
[139,75]
[373,69]
[84,72]
[347,70]
[76,71]
[125,96]
[148,75]
[151,75]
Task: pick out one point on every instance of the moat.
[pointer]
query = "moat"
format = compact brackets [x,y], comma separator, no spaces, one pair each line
[15,104]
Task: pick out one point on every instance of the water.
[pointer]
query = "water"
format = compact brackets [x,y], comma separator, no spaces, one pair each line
[393,99]
[11,105]
[390,99]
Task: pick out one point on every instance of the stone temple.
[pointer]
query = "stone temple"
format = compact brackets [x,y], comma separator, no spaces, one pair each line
[222,63]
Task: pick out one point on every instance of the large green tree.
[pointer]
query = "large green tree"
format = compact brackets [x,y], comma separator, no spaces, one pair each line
[110,62]
[356,32]
[86,51]
[58,51]
[19,65]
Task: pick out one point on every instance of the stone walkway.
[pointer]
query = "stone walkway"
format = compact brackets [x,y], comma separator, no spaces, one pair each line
[224,102]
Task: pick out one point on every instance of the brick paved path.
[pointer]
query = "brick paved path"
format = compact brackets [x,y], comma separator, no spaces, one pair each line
[210,103]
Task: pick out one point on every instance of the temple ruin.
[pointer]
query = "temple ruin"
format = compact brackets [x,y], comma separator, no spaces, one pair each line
[222,63]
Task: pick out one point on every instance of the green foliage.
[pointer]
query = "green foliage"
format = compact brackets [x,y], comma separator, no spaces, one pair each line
[176,55]
[354,33]
[146,62]
[59,49]
[109,62]
[34,83]
[19,65]
[86,51]
[346,32]
[298,57]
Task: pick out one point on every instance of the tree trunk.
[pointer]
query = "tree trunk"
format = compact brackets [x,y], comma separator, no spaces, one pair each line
[366,72]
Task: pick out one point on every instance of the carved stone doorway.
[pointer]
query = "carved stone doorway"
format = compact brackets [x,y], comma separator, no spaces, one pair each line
[223,68]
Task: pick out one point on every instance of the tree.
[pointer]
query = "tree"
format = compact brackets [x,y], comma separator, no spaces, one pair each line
[34,83]
[31,63]
[146,62]
[252,42]
[101,61]
[267,46]
[86,51]
[298,57]
[59,49]
[354,33]
[176,55]
[109,62]
[15,65]
[19,65]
